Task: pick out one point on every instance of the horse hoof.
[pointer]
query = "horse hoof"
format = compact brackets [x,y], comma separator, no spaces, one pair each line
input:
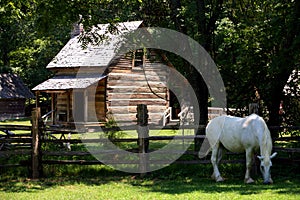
[213,177]
[249,180]
[219,179]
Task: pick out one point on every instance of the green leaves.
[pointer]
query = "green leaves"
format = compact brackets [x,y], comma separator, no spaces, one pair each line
[254,43]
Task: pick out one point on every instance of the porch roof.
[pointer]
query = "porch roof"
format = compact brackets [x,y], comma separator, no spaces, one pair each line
[68,82]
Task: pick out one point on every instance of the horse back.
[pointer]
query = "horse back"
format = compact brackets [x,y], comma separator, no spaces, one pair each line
[235,133]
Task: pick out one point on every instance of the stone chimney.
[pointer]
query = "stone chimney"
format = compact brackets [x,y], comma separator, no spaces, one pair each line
[77,29]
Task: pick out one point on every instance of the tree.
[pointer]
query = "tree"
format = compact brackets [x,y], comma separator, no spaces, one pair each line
[260,43]
[11,15]
[23,49]
[254,43]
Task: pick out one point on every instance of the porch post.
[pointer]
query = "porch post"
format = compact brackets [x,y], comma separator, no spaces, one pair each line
[36,164]
[86,105]
[68,105]
[37,98]
[53,109]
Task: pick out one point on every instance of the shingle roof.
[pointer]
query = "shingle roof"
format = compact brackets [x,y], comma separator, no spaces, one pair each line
[68,82]
[11,86]
[73,55]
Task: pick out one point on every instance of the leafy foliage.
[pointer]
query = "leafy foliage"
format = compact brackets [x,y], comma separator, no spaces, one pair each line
[254,43]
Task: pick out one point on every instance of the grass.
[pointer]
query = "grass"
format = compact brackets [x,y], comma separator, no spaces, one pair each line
[173,182]
[23,121]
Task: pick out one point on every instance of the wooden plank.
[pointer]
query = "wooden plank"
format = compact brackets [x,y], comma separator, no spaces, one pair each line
[61,106]
[153,118]
[136,77]
[136,95]
[127,89]
[78,162]
[100,99]
[137,71]
[15,140]
[21,135]
[94,104]
[137,84]
[14,127]
[134,102]
[36,145]
[285,149]
[294,138]
[186,162]
[132,109]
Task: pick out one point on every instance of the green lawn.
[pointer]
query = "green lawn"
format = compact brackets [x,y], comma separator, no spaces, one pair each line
[173,182]
[113,185]
[25,121]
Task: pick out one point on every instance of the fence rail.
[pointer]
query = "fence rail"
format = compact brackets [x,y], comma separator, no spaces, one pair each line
[29,145]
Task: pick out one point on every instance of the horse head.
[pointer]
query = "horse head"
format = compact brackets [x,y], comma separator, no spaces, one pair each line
[265,167]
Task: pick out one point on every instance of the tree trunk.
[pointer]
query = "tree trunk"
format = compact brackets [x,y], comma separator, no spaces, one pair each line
[286,62]
[193,76]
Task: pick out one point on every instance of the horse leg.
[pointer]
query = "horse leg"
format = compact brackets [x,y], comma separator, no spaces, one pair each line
[249,155]
[216,157]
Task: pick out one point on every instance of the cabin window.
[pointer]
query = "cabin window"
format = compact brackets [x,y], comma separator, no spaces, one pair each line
[138,58]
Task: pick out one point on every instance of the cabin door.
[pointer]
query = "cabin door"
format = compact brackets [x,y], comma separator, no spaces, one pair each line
[174,103]
[79,106]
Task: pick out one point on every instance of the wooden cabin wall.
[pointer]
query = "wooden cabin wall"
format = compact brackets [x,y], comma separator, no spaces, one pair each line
[127,87]
[96,101]
[64,107]
[11,108]
[119,94]
[95,105]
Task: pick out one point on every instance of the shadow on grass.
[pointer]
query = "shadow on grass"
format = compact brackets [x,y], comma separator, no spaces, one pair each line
[198,179]
[87,175]
[175,179]
[206,185]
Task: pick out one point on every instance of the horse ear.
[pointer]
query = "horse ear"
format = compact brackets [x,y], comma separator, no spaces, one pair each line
[273,155]
[260,157]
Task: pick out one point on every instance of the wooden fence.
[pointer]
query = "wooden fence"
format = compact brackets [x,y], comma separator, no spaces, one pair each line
[30,145]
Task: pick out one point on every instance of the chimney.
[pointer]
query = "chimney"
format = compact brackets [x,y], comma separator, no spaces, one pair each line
[77,29]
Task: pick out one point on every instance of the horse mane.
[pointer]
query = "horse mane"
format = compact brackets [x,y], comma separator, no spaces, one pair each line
[266,142]
[262,133]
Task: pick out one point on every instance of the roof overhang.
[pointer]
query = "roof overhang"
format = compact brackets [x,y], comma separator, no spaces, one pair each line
[63,83]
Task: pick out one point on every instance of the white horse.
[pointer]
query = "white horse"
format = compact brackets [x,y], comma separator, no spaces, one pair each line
[239,135]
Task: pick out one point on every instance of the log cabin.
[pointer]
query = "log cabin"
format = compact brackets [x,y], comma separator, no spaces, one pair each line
[95,85]
[13,95]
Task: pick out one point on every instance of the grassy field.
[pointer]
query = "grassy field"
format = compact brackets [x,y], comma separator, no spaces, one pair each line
[25,121]
[173,182]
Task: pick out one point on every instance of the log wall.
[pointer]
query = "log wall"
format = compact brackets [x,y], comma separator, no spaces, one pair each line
[130,85]
[11,108]
[117,96]
[96,105]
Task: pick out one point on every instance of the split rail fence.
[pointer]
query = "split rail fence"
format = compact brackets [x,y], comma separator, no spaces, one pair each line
[29,144]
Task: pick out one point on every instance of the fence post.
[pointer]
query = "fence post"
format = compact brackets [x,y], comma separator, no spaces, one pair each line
[36,164]
[253,108]
[143,134]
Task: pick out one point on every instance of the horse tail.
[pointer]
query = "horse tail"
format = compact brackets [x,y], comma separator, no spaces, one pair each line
[205,148]
[213,133]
